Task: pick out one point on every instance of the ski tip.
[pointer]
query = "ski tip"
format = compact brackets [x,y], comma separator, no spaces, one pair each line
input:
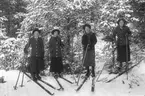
[77,84]
[108,81]
[29,81]
[21,85]
[123,82]
[52,94]
[60,89]
[92,90]
[15,88]
[76,90]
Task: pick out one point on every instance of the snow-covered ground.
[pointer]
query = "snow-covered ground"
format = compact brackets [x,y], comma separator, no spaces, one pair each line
[135,86]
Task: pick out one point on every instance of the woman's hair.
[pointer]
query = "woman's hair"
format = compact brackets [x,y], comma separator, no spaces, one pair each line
[86,25]
[36,29]
[55,30]
[122,19]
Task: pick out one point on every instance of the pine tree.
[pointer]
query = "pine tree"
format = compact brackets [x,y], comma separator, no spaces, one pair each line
[11,9]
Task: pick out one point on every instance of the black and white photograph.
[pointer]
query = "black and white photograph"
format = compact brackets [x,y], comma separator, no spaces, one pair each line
[72,47]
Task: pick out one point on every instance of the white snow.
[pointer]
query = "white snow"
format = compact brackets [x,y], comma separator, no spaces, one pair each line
[115,88]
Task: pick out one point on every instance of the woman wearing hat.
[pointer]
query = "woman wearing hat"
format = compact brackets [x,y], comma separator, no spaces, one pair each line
[88,41]
[121,34]
[37,54]
[55,48]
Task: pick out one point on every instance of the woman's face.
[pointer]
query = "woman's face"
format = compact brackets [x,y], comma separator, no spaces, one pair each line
[87,29]
[121,23]
[36,34]
[56,33]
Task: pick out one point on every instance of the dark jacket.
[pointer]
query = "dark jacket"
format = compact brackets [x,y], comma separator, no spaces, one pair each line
[90,40]
[37,47]
[55,46]
[122,35]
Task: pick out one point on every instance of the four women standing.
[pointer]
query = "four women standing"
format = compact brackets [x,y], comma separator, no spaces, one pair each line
[89,40]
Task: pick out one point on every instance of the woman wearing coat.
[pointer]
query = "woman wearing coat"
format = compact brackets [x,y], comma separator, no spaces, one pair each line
[121,34]
[55,48]
[88,41]
[37,54]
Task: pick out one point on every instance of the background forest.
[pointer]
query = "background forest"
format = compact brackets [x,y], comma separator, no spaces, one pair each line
[19,17]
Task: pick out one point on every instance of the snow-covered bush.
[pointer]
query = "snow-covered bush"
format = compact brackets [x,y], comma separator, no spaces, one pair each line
[11,50]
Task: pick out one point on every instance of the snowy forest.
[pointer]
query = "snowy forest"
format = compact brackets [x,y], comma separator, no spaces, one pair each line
[18,18]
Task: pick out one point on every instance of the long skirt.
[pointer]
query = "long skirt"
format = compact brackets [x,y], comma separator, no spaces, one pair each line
[89,58]
[56,65]
[36,64]
[123,53]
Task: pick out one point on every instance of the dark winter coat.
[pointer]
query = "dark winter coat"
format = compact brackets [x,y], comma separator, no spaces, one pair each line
[89,39]
[37,54]
[122,43]
[89,55]
[121,35]
[37,47]
[55,47]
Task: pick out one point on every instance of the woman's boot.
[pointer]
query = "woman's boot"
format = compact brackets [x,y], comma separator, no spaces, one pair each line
[88,72]
[93,71]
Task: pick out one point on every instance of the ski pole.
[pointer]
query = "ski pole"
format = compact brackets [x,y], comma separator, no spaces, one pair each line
[22,80]
[23,68]
[20,70]
[72,73]
[127,45]
[113,56]
[104,64]
[15,87]
[100,72]
[83,62]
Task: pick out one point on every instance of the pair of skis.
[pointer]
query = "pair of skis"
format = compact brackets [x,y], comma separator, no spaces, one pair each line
[22,70]
[125,71]
[66,80]
[41,85]
[60,85]
[92,87]
[93,81]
